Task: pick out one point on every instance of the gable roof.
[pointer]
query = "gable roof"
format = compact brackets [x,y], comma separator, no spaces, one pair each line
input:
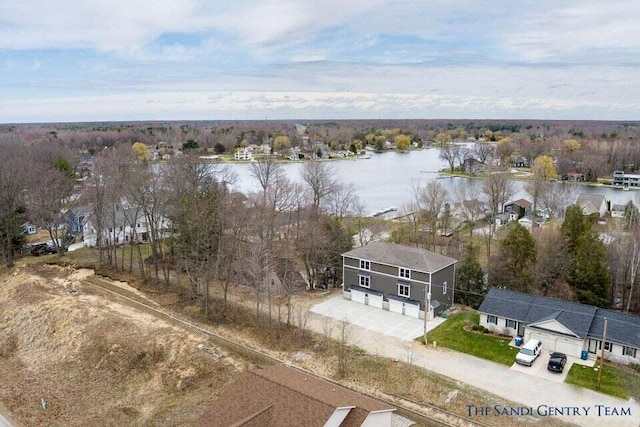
[590,203]
[402,256]
[531,309]
[272,395]
[523,203]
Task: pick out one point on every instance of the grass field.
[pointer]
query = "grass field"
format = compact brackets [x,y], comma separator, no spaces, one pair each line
[619,381]
[451,334]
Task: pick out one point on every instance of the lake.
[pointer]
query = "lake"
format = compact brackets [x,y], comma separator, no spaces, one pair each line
[387,179]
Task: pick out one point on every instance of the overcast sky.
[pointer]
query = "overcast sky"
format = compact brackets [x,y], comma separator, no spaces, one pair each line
[80,60]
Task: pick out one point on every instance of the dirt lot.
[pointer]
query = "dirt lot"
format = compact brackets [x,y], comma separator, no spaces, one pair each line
[96,362]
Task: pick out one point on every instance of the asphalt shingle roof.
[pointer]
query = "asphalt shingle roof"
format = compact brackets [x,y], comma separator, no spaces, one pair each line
[401,256]
[590,203]
[582,319]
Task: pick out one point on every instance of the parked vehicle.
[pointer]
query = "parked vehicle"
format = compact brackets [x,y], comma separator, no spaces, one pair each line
[529,352]
[557,362]
[42,249]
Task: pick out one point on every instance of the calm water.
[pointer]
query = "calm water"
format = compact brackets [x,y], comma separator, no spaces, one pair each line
[387,179]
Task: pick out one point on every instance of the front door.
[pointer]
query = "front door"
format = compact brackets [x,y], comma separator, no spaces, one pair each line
[593,345]
[520,329]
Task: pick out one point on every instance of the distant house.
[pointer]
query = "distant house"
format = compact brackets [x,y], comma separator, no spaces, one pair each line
[574,177]
[277,396]
[242,154]
[399,278]
[529,222]
[563,326]
[502,219]
[592,204]
[617,211]
[127,224]
[473,166]
[29,228]
[519,162]
[517,209]
[75,219]
[626,179]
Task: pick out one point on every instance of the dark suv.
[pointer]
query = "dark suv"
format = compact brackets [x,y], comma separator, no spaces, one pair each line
[557,362]
[42,249]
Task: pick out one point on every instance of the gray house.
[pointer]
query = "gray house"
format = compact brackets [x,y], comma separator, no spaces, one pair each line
[399,278]
[564,326]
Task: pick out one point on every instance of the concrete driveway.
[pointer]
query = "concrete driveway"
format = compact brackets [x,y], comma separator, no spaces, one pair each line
[539,367]
[520,387]
[374,319]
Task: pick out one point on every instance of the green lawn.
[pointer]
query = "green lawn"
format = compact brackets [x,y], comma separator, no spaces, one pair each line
[612,382]
[451,334]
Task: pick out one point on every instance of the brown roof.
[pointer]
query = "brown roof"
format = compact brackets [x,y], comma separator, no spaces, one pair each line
[275,394]
[523,203]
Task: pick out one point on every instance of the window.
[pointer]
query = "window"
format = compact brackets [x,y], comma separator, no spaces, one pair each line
[404,290]
[492,319]
[444,288]
[608,346]
[510,323]
[629,351]
[364,281]
[405,273]
[365,265]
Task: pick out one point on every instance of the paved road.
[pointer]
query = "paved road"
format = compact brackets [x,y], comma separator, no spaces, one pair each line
[520,387]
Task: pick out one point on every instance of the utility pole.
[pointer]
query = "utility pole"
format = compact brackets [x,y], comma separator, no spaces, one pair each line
[427,310]
[604,340]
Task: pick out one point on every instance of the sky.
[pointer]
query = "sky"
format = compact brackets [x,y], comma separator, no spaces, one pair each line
[103,60]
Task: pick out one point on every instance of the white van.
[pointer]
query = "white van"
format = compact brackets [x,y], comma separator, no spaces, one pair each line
[529,352]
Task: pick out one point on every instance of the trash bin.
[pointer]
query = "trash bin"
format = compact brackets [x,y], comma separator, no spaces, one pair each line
[518,341]
[584,355]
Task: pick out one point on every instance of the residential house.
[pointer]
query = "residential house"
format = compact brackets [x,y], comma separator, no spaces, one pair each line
[473,166]
[529,222]
[127,224]
[563,326]
[519,162]
[573,177]
[617,211]
[242,154]
[502,219]
[626,179]
[399,278]
[75,220]
[276,396]
[517,209]
[29,228]
[592,204]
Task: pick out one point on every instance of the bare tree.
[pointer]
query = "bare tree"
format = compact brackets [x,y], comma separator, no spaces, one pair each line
[452,154]
[14,172]
[484,151]
[319,177]
[430,201]
[498,189]
[468,205]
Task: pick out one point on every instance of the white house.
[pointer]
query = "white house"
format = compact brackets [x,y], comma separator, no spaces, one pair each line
[242,154]
[592,203]
[130,225]
[563,326]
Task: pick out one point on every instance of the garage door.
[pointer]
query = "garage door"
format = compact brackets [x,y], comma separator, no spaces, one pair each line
[412,310]
[395,306]
[569,347]
[548,341]
[357,296]
[375,300]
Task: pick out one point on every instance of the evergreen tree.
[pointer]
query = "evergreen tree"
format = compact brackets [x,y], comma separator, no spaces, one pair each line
[470,279]
[588,275]
[513,263]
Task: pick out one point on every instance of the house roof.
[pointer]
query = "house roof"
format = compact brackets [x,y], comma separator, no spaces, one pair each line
[621,328]
[402,256]
[531,309]
[275,395]
[523,203]
[590,203]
